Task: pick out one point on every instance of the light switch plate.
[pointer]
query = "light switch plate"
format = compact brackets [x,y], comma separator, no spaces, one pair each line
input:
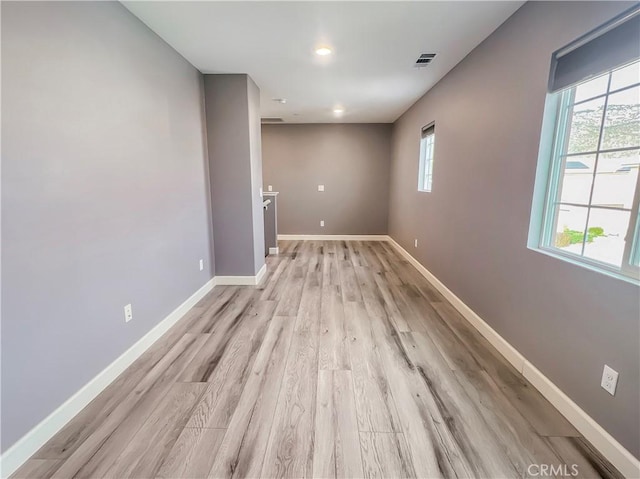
[270,188]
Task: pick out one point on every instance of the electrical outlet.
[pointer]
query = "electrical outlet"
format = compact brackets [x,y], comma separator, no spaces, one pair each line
[321,222]
[128,313]
[270,188]
[201,264]
[609,380]
[320,187]
[415,243]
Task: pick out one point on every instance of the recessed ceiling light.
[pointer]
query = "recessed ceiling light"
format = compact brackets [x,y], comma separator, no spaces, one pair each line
[280,100]
[323,51]
[338,110]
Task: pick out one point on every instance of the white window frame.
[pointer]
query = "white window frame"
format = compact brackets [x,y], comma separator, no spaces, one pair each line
[547,192]
[427,150]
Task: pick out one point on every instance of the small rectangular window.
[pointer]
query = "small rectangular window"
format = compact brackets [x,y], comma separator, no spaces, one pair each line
[590,164]
[425,172]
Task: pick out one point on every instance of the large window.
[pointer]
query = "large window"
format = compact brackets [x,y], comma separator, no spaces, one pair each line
[589,213]
[427,145]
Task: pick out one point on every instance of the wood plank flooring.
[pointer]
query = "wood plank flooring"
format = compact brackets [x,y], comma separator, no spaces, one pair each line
[344,362]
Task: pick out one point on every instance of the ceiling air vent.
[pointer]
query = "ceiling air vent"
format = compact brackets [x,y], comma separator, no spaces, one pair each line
[271,120]
[425,59]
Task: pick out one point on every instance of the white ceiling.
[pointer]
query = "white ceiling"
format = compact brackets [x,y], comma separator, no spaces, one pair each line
[371,72]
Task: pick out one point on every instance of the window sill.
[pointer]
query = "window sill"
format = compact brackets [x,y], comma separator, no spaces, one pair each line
[592,267]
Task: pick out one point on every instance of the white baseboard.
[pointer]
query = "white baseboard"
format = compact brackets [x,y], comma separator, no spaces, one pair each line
[242,280]
[275,250]
[29,444]
[497,341]
[615,452]
[608,446]
[334,237]
[261,273]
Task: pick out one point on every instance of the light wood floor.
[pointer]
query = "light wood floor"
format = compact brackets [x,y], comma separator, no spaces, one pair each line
[345,362]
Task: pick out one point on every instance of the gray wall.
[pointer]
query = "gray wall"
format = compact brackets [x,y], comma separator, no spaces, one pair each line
[255,150]
[104,197]
[351,160]
[472,229]
[233,138]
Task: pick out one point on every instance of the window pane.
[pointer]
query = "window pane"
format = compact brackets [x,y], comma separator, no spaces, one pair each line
[577,179]
[422,173]
[423,149]
[585,126]
[627,76]
[427,144]
[595,87]
[616,179]
[605,235]
[570,228]
[622,123]
[429,140]
[429,168]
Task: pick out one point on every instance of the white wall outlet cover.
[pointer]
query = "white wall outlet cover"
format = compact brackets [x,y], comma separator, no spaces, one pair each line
[128,313]
[609,380]
[320,187]
[321,222]
[201,264]
[269,188]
